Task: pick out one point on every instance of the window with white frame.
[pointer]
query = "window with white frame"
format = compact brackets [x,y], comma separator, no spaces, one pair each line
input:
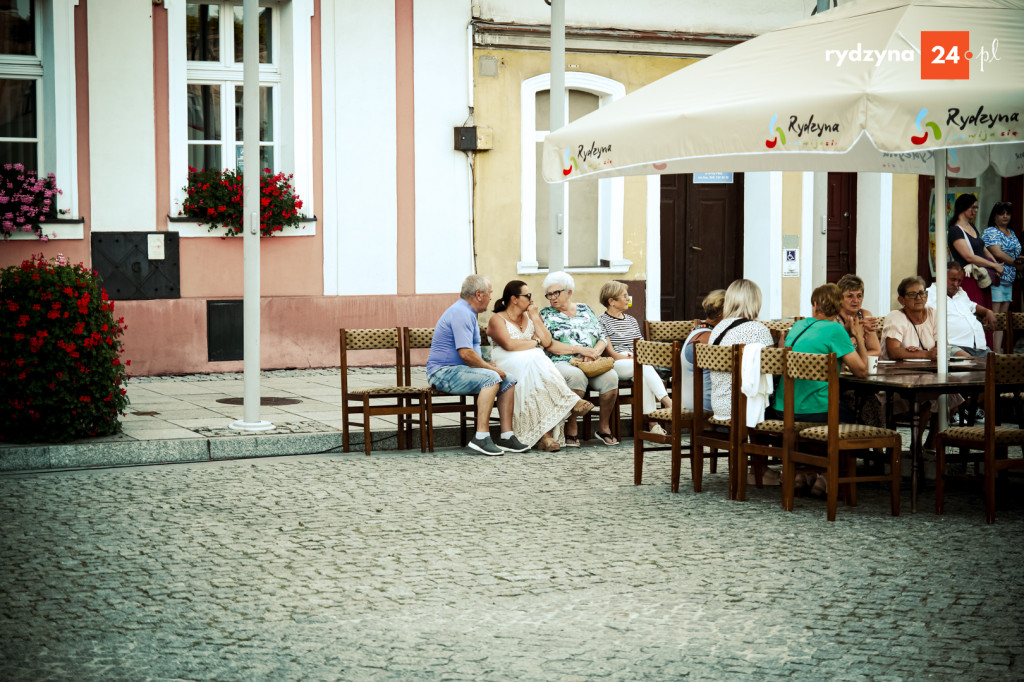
[38,114]
[21,78]
[205,74]
[213,43]
[593,209]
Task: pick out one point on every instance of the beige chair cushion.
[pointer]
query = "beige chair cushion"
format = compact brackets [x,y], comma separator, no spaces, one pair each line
[720,422]
[848,432]
[665,415]
[778,426]
[1005,435]
[388,390]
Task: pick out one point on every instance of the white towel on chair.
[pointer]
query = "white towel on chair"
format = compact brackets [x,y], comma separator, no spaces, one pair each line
[756,386]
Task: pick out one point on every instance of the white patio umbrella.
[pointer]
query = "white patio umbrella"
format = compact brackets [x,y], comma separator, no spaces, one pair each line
[898,86]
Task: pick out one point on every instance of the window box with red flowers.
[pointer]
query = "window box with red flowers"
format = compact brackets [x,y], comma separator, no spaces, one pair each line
[214,200]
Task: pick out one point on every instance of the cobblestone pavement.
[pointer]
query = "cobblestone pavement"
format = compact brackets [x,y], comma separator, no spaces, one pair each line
[535,566]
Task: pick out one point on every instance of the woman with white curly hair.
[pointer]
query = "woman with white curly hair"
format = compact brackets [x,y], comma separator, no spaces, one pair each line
[576,332]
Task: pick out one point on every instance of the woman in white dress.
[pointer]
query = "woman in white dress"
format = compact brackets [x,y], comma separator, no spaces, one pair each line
[543,401]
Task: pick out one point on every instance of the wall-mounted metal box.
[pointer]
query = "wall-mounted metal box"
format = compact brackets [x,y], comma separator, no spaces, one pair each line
[225,331]
[473,139]
[137,265]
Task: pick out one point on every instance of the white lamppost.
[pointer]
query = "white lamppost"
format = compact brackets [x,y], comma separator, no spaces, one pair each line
[250,420]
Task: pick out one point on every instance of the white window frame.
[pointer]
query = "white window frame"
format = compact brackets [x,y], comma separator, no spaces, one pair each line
[290,75]
[610,190]
[53,69]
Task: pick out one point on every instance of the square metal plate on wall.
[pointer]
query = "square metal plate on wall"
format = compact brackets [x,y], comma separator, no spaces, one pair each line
[225,331]
[138,266]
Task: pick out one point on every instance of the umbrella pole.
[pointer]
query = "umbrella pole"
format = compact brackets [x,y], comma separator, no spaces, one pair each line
[940,275]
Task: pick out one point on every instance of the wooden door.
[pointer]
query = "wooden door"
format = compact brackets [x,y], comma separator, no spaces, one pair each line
[841,256]
[701,242]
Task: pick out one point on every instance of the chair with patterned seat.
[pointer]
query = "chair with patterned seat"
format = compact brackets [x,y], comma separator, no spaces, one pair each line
[674,420]
[670,330]
[989,443]
[1003,325]
[778,328]
[462,405]
[398,399]
[833,447]
[718,435]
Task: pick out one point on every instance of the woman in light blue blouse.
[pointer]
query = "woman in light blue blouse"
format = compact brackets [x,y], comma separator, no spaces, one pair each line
[1004,245]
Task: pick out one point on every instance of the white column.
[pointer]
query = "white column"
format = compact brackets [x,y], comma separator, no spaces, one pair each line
[762,238]
[653,258]
[874,239]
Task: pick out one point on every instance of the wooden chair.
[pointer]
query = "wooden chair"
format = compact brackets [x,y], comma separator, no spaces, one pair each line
[880,323]
[833,447]
[768,440]
[656,330]
[674,420]
[400,399]
[1003,372]
[778,328]
[706,431]
[1014,324]
[1003,325]
[462,405]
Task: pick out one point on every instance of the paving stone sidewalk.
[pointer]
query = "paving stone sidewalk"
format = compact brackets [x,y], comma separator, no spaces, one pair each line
[529,567]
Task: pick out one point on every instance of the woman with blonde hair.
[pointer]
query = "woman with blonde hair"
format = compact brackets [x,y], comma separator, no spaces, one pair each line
[621,329]
[851,288]
[740,309]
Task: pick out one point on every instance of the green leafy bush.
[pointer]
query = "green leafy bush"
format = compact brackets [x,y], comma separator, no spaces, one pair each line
[61,374]
[215,200]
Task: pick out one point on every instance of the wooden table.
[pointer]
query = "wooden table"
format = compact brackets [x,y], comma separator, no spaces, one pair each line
[910,379]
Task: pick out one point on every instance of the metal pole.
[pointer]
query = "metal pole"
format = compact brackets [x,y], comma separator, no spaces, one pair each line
[940,275]
[556,205]
[251,218]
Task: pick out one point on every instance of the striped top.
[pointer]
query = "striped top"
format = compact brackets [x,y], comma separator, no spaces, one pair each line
[620,333]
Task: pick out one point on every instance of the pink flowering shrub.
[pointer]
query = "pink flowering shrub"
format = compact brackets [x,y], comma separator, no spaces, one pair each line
[61,374]
[215,199]
[26,200]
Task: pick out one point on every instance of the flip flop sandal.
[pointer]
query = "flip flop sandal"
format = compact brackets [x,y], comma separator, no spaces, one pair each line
[572,441]
[606,438]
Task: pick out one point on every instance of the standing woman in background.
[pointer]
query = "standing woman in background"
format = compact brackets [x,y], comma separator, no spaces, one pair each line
[968,248]
[1004,245]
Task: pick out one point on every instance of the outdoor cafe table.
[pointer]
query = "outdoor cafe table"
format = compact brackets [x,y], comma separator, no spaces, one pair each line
[911,378]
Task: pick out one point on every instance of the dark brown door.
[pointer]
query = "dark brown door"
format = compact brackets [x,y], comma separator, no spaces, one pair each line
[842,225]
[701,242]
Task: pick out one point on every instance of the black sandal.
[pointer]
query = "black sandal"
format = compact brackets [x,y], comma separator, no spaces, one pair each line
[572,441]
[606,438]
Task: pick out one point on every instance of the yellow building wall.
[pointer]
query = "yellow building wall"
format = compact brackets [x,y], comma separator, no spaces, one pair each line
[792,209]
[904,233]
[497,172]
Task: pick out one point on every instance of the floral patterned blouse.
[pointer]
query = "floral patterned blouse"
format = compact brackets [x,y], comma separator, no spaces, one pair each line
[1011,247]
[583,329]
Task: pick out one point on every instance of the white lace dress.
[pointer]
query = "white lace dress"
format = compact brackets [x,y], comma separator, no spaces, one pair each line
[542,398]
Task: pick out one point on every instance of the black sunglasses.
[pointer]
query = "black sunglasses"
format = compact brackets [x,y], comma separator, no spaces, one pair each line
[528,297]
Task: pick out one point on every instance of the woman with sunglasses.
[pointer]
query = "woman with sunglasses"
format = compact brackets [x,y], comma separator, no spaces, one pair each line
[542,399]
[575,331]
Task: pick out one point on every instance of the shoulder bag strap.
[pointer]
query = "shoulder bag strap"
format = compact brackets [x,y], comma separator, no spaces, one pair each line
[734,324]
